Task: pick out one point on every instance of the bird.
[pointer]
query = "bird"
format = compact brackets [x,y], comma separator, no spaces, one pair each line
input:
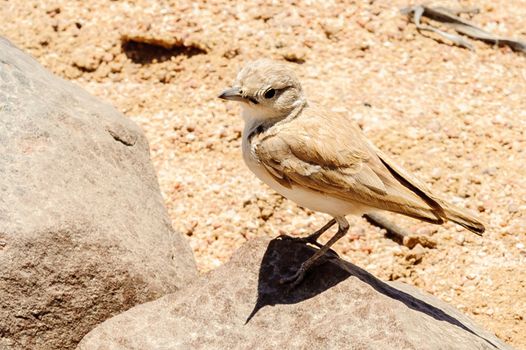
[323,161]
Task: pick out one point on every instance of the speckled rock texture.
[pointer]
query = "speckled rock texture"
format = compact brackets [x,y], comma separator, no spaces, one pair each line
[241,305]
[84,234]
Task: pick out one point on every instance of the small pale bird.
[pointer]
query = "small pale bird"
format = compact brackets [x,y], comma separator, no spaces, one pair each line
[323,161]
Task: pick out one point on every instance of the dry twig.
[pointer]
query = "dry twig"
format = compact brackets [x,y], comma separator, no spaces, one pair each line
[450,18]
[394,232]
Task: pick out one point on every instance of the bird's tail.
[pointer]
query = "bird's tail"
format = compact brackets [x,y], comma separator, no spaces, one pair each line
[463,218]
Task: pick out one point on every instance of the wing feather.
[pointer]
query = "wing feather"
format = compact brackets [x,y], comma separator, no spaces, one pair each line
[343,164]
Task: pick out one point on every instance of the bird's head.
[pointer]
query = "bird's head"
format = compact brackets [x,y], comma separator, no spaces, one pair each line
[267,90]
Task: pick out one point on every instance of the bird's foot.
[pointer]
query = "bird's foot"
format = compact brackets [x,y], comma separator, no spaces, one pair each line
[294,279]
[297,277]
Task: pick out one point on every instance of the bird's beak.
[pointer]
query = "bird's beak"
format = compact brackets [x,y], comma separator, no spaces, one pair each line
[232,94]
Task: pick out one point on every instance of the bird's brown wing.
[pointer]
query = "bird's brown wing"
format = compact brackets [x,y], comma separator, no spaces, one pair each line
[329,153]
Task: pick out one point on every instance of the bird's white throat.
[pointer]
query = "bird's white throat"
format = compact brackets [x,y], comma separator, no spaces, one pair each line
[254,113]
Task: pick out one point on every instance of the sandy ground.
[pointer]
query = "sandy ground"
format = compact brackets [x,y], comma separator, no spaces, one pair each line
[454,117]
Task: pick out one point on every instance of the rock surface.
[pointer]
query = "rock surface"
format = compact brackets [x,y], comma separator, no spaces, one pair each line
[84,234]
[241,305]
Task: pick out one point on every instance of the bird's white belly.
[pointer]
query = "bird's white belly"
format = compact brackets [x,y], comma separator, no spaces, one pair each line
[304,197]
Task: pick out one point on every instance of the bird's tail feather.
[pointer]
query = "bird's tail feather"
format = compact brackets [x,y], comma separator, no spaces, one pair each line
[463,218]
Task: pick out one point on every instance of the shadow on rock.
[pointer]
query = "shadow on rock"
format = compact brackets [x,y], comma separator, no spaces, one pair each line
[281,259]
[283,256]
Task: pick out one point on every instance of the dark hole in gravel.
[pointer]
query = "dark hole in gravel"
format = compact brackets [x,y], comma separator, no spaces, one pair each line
[143,53]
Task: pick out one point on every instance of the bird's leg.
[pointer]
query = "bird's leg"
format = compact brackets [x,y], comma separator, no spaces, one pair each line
[313,238]
[343,227]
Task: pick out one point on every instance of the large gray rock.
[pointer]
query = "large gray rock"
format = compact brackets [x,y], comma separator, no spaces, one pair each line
[84,234]
[241,305]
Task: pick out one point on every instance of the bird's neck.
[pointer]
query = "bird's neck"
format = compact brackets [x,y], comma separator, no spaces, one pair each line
[259,119]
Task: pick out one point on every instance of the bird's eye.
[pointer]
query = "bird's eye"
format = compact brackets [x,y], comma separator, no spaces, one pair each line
[270,93]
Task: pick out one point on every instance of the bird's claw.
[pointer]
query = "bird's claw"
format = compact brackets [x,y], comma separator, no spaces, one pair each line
[294,279]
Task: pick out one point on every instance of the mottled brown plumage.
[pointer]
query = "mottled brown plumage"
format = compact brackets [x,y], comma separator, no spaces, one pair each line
[328,153]
[322,160]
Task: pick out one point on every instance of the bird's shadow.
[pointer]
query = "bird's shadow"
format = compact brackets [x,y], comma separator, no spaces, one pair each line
[283,256]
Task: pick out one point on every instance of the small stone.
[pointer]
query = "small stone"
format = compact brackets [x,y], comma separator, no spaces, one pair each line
[424,241]
[499,120]
[471,276]
[513,208]
[115,67]
[107,57]
[209,144]
[86,61]
[415,255]
[222,132]
[452,133]
[489,205]
[434,126]
[331,27]
[436,173]
[427,230]
[72,72]
[193,84]
[294,54]
[367,249]
[102,71]
[491,171]
[231,53]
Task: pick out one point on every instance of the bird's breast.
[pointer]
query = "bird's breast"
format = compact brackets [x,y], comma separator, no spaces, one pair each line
[302,196]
